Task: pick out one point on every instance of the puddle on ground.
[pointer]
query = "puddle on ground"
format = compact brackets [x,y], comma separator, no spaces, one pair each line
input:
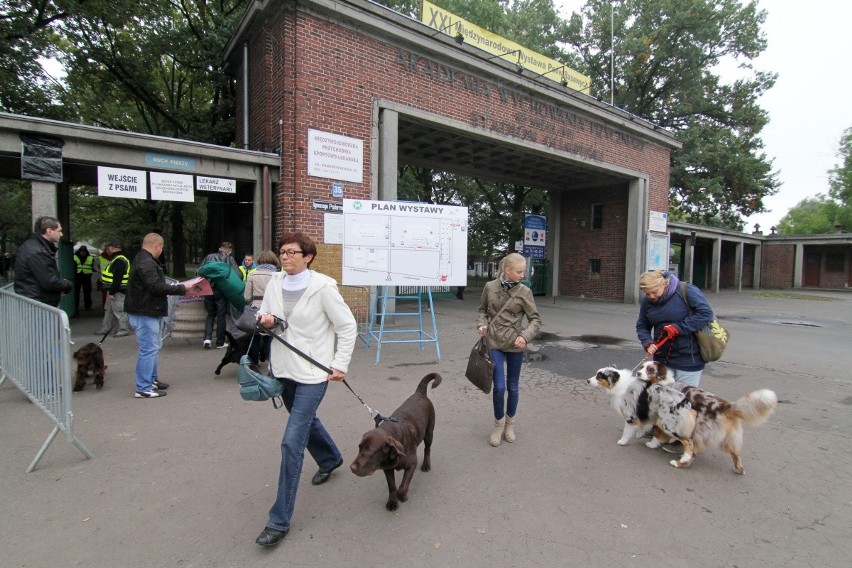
[599,339]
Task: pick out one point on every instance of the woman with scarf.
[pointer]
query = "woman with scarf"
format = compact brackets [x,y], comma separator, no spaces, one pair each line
[502,307]
[665,315]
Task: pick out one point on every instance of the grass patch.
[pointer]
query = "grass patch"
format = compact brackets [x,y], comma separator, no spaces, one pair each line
[792,296]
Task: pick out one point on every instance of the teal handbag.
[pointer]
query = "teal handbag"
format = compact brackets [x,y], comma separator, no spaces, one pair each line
[254,385]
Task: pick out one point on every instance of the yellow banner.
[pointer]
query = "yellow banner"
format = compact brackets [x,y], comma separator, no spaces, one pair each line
[450,24]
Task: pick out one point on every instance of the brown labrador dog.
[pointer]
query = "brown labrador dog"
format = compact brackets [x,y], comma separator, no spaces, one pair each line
[393,445]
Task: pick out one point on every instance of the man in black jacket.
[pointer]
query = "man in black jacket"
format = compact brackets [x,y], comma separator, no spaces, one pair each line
[146,304]
[36,271]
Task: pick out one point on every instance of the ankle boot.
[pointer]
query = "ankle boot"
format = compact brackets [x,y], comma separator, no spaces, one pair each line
[510,429]
[497,434]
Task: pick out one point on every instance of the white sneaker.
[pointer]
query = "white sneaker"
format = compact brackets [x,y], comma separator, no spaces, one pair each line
[207,344]
[150,394]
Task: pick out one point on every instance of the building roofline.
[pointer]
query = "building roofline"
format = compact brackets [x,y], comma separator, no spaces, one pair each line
[377,20]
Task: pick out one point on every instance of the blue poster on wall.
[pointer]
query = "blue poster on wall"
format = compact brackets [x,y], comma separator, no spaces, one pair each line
[535,236]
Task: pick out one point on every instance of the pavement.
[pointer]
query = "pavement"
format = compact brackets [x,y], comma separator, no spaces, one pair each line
[187,480]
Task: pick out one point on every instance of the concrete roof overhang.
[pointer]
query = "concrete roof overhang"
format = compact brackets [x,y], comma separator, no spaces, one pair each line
[88,146]
[430,143]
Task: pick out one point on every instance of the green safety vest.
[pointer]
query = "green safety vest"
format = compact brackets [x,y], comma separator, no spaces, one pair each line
[106,273]
[244,273]
[86,266]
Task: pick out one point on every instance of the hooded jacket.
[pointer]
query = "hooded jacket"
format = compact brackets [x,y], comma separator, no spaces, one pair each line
[319,320]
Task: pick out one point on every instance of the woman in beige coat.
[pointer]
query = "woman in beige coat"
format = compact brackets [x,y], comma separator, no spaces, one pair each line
[502,307]
[267,267]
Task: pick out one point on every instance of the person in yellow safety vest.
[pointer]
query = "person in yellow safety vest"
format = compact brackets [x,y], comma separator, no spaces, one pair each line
[248,266]
[103,262]
[115,277]
[83,278]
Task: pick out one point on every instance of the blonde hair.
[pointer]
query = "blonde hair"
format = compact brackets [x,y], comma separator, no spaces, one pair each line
[510,260]
[651,279]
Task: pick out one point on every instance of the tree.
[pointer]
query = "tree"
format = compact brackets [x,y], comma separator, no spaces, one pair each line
[824,213]
[27,33]
[665,59]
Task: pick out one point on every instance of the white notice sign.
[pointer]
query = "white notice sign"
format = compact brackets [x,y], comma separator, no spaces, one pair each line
[171,187]
[220,185]
[335,157]
[657,221]
[118,182]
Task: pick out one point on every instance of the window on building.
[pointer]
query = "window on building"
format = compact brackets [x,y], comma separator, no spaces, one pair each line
[597,216]
[834,262]
[594,266]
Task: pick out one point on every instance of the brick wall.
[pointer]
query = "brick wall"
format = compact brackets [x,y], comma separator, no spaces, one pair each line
[776,266]
[311,73]
[580,243]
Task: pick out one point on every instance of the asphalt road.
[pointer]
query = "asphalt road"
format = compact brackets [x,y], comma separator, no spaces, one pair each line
[186,481]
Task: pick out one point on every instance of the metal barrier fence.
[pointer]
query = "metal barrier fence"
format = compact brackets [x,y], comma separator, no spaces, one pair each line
[35,354]
[358,299]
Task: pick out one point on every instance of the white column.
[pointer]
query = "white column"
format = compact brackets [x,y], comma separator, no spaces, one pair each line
[738,268]
[637,216]
[715,261]
[44,200]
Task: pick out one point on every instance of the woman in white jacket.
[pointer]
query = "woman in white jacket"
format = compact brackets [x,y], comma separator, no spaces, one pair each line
[320,324]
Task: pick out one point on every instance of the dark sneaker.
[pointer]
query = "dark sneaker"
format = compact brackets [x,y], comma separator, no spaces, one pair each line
[160,385]
[150,394]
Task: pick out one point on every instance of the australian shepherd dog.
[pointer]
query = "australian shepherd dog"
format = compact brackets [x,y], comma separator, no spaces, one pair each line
[90,361]
[645,403]
[718,423]
[694,417]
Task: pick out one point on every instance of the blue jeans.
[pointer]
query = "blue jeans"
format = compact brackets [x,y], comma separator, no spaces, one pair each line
[303,430]
[507,376]
[148,337]
[690,378]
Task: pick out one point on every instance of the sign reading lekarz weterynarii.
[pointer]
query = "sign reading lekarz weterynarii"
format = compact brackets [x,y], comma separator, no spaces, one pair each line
[450,24]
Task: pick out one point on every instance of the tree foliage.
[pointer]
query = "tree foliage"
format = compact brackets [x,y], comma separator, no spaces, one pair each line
[27,33]
[666,55]
[665,59]
[825,213]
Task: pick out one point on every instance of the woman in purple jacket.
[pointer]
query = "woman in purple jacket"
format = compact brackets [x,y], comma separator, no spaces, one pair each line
[663,312]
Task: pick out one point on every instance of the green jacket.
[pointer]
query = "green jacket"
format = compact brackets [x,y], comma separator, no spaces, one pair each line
[505,329]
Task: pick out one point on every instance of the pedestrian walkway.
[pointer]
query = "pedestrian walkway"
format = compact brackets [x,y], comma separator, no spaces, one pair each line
[187,480]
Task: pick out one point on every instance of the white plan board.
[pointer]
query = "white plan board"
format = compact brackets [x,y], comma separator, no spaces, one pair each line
[398,243]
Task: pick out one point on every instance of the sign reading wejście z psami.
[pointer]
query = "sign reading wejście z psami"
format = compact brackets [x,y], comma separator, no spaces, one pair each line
[396,243]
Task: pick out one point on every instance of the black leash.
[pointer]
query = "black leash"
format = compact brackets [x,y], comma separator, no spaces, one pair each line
[374,414]
[105,335]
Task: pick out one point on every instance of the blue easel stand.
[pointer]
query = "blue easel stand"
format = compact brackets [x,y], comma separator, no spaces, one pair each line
[380,312]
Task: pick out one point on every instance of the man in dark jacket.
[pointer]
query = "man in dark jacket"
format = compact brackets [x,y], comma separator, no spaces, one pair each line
[146,304]
[36,271]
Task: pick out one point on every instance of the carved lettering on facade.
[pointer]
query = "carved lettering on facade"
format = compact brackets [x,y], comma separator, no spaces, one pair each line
[533,114]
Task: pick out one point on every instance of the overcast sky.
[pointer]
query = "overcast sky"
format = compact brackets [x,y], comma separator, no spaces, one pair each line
[809,46]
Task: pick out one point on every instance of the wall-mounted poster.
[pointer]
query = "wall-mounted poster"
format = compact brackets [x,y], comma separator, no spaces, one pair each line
[658,252]
[336,157]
